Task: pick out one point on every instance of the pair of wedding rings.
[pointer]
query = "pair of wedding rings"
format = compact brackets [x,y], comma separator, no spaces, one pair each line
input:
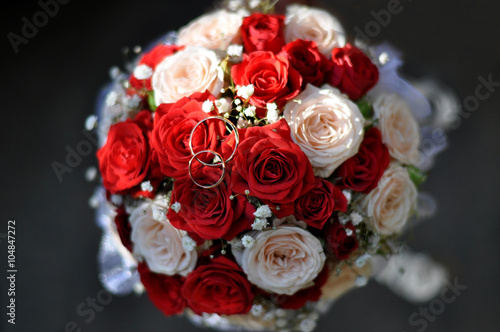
[222,163]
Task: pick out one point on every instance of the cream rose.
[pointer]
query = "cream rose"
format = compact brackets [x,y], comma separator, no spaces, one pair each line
[283,261]
[314,24]
[326,125]
[215,30]
[340,283]
[194,69]
[391,203]
[398,127]
[160,244]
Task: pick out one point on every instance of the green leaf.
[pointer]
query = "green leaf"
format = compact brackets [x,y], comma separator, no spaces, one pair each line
[416,175]
[365,108]
[151,100]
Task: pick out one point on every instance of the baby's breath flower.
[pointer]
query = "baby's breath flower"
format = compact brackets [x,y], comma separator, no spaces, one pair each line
[263,211]
[245,92]
[223,105]
[94,201]
[259,224]
[343,218]
[91,122]
[176,207]
[146,186]
[90,173]
[272,113]
[257,310]
[143,72]
[254,3]
[250,111]
[235,51]
[356,218]
[208,106]
[159,213]
[248,241]
[188,243]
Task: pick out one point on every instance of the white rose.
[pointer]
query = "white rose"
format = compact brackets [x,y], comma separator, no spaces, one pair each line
[326,125]
[215,30]
[398,127]
[391,203]
[194,69]
[160,244]
[314,24]
[282,261]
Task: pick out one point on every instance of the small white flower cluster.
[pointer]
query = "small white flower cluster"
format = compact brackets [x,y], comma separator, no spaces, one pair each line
[250,111]
[143,72]
[261,214]
[91,174]
[188,243]
[343,218]
[207,106]
[356,218]
[272,113]
[257,310]
[146,186]
[247,241]
[263,211]
[91,122]
[176,207]
[245,92]
[223,105]
[235,51]
[259,224]
[159,212]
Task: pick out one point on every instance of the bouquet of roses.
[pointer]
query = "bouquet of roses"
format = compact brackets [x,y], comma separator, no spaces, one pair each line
[255,167]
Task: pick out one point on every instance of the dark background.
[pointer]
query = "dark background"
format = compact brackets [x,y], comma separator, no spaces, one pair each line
[49,88]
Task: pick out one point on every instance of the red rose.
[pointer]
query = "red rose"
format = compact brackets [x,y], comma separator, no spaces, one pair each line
[152,59]
[164,291]
[124,159]
[353,72]
[263,32]
[338,241]
[210,213]
[317,205]
[219,287]
[309,294]
[305,57]
[172,131]
[363,171]
[123,227]
[271,166]
[273,79]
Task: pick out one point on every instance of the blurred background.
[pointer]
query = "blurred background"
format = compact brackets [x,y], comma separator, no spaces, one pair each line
[50,85]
